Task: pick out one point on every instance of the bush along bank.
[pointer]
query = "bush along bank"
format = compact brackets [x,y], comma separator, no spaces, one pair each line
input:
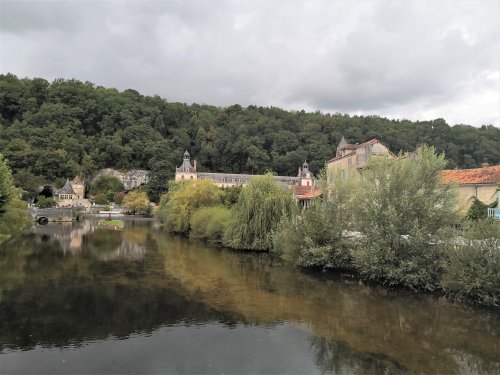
[391,223]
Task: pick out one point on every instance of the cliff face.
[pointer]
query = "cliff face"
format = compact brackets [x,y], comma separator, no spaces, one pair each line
[130,179]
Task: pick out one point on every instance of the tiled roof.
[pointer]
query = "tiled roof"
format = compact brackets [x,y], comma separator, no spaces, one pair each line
[66,189]
[306,192]
[485,175]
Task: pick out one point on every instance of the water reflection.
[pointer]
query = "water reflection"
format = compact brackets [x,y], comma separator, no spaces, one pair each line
[64,286]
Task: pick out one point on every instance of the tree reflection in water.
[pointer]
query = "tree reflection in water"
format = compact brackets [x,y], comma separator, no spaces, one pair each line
[135,281]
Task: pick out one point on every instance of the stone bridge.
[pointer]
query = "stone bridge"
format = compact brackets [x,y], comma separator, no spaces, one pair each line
[55,214]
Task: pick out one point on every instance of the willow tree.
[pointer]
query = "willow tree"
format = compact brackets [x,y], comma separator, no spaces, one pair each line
[261,205]
[183,199]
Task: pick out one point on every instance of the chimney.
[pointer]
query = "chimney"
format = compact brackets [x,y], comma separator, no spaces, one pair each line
[194,164]
[485,165]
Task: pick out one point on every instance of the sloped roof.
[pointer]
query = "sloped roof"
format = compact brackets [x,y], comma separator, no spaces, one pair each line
[476,176]
[343,145]
[66,189]
[306,192]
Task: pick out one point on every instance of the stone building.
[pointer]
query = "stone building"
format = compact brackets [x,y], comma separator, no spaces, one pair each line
[303,185]
[72,193]
[351,157]
[482,183]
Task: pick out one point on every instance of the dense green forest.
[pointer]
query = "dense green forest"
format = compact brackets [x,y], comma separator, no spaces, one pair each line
[50,131]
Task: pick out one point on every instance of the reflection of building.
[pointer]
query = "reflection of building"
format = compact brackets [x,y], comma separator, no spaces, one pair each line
[481,183]
[351,157]
[69,234]
[303,185]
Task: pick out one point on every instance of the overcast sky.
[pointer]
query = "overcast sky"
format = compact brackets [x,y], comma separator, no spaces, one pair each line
[416,60]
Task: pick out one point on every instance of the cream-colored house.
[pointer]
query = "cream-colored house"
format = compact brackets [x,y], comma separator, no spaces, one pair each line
[481,183]
[351,157]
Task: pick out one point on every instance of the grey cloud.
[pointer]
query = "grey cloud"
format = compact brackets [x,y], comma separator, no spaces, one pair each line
[382,57]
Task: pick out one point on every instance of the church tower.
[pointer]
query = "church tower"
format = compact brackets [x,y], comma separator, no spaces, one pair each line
[305,175]
[186,171]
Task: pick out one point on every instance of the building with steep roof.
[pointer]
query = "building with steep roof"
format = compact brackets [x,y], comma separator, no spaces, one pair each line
[72,193]
[303,185]
[481,183]
[351,157]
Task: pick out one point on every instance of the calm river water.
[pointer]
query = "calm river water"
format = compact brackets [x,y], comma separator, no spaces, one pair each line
[75,298]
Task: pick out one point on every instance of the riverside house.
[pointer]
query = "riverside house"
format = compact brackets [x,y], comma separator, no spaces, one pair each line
[481,183]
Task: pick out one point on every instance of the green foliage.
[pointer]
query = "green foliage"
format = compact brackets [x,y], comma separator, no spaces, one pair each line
[183,199]
[15,220]
[478,210]
[29,183]
[67,127]
[231,195]
[118,197]
[316,238]
[43,202]
[136,202]
[262,204]
[472,271]
[6,185]
[210,223]
[101,198]
[107,185]
[480,229]
[402,210]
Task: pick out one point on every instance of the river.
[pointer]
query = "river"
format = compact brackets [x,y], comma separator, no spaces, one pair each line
[77,298]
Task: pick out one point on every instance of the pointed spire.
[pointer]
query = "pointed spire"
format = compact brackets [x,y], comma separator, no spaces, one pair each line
[305,166]
[186,155]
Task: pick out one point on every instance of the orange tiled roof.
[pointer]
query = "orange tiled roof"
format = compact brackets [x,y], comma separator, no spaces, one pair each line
[485,175]
[306,192]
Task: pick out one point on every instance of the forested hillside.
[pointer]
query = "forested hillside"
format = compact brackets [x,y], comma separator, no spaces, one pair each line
[56,130]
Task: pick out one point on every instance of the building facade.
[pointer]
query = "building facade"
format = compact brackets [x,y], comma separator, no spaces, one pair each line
[481,183]
[71,194]
[303,185]
[351,157]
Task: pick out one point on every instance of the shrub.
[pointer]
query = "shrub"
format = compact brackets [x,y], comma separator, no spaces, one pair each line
[255,217]
[107,185]
[6,184]
[472,271]
[101,198]
[478,210]
[403,209]
[136,202]
[15,219]
[210,223]
[183,199]
[118,197]
[44,202]
[316,238]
